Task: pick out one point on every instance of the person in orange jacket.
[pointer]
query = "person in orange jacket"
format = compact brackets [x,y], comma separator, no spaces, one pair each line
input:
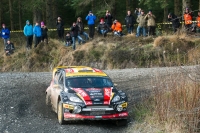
[198,22]
[188,19]
[117,28]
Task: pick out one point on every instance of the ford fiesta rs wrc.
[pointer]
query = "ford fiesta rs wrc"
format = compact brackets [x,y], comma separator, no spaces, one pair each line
[85,93]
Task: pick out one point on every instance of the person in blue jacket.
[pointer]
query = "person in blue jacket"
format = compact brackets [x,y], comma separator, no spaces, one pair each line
[91,23]
[5,34]
[37,31]
[28,32]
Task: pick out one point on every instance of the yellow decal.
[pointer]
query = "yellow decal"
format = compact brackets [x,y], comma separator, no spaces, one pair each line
[68,106]
[124,105]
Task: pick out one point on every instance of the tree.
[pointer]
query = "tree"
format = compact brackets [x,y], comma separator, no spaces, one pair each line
[11,14]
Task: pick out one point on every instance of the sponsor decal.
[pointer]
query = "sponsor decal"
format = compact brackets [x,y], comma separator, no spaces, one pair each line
[107,95]
[106,102]
[123,114]
[69,70]
[97,70]
[82,93]
[93,89]
[88,103]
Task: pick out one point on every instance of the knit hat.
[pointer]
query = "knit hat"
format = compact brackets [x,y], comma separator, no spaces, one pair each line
[90,11]
[27,21]
[42,23]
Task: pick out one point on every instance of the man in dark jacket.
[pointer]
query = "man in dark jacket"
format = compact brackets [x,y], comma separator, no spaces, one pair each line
[80,25]
[175,21]
[108,19]
[102,28]
[9,48]
[74,34]
[60,27]
[129,22]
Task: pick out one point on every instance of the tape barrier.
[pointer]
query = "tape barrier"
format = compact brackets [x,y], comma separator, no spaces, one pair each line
[86,28]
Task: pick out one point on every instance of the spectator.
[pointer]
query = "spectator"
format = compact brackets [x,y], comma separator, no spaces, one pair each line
[175,21]
[91,21]
[44,31]
[9,48]
[28,32]
[129,22]
[198,22]
[102,28]
[117,28]
[60,27]
[142,24]
[151,23]
[80,25]
[38,33]
[5,34]
[74,34]
[138,11]
[188,19]
[108,18]
[68,41]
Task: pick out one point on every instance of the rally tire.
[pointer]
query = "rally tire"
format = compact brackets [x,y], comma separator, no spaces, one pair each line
[60,113]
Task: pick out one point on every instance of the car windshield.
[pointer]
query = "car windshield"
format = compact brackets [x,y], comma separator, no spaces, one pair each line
[88,82]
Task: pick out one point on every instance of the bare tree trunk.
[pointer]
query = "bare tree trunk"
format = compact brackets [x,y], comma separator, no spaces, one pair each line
[199,5]
[20,14]
[37,16]
[0,11]
[49,12]
[177,7]
[127,5]
[55,13]
[165,14]
[11,14]
[186,3]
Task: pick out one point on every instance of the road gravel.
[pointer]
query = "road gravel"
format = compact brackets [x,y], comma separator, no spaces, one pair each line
[23,109]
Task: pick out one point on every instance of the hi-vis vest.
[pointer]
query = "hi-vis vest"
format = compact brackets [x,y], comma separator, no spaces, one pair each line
[198,21]
[188,19]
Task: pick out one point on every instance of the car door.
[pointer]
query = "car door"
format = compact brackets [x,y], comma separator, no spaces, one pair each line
[57,88]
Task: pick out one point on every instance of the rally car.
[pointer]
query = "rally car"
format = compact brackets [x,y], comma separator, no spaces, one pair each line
[85,93]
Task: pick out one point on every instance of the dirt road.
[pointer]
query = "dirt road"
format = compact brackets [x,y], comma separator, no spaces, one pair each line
[23,109]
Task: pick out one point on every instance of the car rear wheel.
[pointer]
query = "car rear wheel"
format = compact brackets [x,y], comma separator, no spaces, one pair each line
[60,113]
[122,122]
[48,101]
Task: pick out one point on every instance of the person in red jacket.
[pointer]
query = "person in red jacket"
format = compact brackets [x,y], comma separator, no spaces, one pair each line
[188,19]
[198,22]
[117,28]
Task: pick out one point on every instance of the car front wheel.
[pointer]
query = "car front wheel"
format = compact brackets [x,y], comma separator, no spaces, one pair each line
[60,113]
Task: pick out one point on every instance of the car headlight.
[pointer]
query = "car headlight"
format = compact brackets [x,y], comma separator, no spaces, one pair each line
[116,99]
[75,99]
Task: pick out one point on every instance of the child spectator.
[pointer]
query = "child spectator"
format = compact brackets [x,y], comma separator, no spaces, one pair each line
[81,31]
[188,19]
[38,33]
[44,30]
[102,28]
[74,33]
[198,22]
[5,34]
[9,48]
[28,32]
[117,28]
[68,40]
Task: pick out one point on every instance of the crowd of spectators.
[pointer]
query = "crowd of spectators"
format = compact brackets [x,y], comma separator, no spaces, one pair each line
[146,26]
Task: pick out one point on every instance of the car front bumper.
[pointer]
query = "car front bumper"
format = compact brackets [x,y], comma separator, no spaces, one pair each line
[121,115]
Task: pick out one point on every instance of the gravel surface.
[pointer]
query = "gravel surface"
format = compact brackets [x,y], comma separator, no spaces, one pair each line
[23,109]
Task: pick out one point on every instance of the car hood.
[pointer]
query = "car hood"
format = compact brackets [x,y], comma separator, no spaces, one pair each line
[95,96]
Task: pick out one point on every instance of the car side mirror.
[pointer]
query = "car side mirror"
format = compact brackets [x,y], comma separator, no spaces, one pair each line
[115,84]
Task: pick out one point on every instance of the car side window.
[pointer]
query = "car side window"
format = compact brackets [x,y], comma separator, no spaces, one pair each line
[56,78]
[60,81]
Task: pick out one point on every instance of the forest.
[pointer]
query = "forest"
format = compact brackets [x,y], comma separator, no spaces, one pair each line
[14,13]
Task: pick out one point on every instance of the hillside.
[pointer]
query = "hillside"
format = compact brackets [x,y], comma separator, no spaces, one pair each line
[104,53]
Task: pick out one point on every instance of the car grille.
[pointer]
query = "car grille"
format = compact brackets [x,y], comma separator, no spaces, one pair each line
[97,113]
